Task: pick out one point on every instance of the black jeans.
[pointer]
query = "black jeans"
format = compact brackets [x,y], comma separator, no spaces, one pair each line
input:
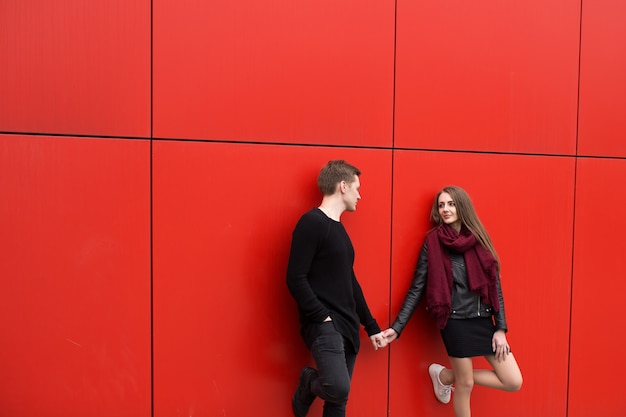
[335,364]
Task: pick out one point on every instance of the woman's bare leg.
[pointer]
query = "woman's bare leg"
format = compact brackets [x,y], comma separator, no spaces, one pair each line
[463,374]
[505,376]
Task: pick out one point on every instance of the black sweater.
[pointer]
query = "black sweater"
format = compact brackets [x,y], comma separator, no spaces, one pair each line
[321,279]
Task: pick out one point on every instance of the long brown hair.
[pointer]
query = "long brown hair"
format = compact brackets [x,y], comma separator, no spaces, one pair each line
[467,215]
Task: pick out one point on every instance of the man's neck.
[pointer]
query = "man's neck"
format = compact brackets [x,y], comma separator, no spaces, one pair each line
[332,208]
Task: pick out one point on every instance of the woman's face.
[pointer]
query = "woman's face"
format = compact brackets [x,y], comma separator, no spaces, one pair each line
[447,211]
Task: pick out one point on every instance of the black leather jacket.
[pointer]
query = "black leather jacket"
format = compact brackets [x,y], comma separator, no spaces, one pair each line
[465,304]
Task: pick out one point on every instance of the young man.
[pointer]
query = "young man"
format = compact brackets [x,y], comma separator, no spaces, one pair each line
[331,305]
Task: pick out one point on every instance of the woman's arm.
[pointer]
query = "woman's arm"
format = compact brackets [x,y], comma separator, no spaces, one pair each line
[415,292]
[500,316]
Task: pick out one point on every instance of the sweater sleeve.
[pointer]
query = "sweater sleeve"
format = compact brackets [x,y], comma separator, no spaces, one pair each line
[305,239]
[365,316]
[415,292]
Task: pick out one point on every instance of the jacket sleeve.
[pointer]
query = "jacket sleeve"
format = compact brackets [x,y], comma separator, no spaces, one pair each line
[415,292]
[500,316]
[363,311]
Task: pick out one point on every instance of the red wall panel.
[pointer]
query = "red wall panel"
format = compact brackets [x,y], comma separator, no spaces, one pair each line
[224,322]
[75,67]
[315,72]
[603,79]
[75,268]
[489,76]
[526,203]
[75,213]
[598,288]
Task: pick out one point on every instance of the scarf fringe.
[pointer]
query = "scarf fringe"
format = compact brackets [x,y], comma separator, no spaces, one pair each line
[441,313]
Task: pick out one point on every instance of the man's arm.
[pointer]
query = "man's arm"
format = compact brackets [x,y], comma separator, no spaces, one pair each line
[365,316]
[304,242]
[377,338]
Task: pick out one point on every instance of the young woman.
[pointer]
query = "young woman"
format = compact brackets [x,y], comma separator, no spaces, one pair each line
[458,271]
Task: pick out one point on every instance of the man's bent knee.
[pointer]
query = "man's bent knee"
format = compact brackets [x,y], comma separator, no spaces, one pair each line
[337,393]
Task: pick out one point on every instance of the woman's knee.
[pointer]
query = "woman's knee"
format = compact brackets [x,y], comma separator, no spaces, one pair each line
[465,384]
[514,383]
[511,379]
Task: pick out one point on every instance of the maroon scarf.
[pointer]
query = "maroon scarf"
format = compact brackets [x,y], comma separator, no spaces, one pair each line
[481,266]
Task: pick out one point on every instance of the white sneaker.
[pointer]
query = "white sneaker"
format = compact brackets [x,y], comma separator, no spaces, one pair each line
[442,392]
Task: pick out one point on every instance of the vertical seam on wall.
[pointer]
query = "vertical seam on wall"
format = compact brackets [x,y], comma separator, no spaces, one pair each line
[393,152]
[580,47]
[571,296]
[151,220]
[576,160]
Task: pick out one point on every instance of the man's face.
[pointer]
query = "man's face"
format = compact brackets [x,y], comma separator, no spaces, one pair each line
[351,195]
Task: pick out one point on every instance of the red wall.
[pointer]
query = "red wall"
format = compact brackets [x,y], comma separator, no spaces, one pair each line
[155,156]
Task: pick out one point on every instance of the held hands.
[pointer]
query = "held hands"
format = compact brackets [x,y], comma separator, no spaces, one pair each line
[378,341]
[390,335]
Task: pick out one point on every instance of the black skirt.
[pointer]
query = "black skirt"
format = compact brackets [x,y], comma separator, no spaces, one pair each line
[465,338]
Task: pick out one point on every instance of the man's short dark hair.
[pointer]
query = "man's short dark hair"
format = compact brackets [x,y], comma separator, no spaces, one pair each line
[333,173]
